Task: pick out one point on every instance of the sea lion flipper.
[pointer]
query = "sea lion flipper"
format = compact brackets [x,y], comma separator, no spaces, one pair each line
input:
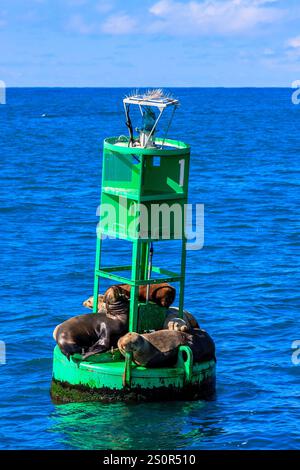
[93,350]
[101,345]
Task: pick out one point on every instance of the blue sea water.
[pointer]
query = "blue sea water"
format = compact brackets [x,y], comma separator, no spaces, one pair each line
[243,286]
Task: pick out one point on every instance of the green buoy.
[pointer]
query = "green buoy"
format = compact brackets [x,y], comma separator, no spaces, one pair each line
[139,174]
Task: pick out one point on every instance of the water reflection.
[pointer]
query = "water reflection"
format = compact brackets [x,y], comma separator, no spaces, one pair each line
[172,425]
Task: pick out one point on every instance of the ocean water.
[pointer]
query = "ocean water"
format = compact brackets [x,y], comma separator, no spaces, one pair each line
[243,286]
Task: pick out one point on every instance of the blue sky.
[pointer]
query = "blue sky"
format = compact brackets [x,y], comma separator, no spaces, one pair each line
[137,43]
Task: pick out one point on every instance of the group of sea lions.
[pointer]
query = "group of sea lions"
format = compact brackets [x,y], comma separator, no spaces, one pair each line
[94,333]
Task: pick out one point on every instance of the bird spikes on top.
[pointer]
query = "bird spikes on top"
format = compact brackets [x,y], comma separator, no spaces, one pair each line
[154,94]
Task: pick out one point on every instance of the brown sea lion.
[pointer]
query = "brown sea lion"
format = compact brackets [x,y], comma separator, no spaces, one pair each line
[89,303]
[173,322]
[93,333]
[160,348]
[115,301]
[162,294]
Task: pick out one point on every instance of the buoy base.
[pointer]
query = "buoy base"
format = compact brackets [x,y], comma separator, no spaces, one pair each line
[63,392]
[102,379]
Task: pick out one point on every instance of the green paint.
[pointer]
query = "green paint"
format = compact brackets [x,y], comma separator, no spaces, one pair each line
[132,176]
[107,371]
[132,172]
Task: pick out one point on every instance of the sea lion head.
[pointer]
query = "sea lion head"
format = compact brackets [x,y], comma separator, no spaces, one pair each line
[177,324]
[89,303]
[55,331]
[164,295]
[130,342]
[117,302]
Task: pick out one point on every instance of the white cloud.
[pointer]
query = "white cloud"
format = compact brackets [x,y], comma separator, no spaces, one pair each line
[212,16]
[77,24]
[176,17]
[119,24]
[263,2]
[292,51]
[294,42]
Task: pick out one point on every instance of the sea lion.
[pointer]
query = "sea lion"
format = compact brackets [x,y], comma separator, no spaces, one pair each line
[93,333]
[160,348]
[89,303]
[116,301]
[173,322]
[162,294]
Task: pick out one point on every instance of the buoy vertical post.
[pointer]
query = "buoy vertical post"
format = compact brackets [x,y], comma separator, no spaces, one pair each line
[146,171]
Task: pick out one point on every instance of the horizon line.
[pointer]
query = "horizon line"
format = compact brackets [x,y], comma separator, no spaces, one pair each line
[144,86]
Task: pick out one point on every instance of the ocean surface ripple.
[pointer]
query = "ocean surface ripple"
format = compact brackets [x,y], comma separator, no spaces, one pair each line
[243,286]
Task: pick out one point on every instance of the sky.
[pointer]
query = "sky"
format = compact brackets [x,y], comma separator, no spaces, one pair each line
[155,43]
